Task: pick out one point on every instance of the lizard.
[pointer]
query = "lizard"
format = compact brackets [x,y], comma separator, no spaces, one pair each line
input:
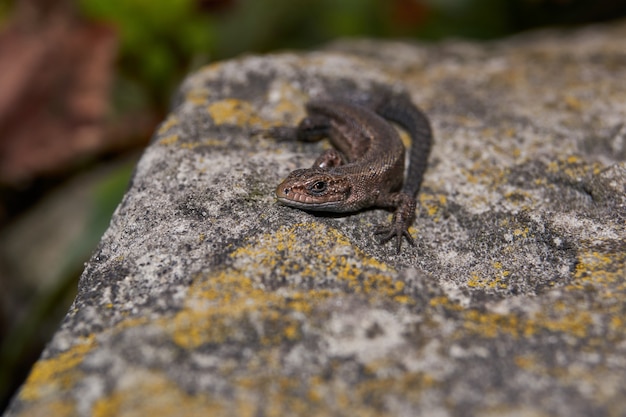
[366,167]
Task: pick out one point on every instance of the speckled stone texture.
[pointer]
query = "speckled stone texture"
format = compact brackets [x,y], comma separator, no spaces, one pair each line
[206,297]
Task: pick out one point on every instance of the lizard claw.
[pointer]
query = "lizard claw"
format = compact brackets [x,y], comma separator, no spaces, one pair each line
[394,230]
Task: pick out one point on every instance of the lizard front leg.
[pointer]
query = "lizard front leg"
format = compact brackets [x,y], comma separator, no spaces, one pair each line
[329,159]
[402,218]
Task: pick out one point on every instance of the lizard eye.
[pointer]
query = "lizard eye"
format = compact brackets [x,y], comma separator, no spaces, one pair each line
[318,187]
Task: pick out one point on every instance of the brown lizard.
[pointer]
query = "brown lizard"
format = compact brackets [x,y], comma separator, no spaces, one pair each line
[367,167]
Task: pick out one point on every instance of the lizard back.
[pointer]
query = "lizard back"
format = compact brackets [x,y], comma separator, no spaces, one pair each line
[372,147]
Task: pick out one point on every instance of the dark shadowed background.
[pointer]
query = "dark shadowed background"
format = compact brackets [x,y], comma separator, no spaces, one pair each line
[84,83]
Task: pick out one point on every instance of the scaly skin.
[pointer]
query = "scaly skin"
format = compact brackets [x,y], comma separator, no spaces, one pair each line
[366,169]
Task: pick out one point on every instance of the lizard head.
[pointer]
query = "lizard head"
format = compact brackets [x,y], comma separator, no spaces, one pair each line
[314,189]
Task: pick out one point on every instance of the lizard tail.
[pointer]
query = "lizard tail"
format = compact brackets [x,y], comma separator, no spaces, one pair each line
[401,110]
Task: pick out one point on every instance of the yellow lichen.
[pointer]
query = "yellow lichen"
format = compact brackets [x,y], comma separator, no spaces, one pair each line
[217,301]
[573,159]
[49,376]
[573,103]
[169,123]
[521,232]
[233,111]
[327,251]
[169,140]
[152,394]
[594,268]
[526,362]
[476,281]
[197,96]
[604,271]
[433,204]
[56,408]
[215,304]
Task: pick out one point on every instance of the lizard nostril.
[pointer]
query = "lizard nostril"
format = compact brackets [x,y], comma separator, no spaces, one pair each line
[283,191]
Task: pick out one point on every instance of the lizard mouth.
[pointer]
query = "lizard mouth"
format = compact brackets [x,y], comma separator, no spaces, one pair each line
[294,198]
[312,206]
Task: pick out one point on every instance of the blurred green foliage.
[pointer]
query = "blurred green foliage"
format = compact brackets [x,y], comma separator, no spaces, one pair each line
[157,39]
[162,40]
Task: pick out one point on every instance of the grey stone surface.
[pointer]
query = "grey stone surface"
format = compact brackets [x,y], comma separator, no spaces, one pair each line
[206,297]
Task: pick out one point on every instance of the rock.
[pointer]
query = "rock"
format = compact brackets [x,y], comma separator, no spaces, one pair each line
[206,297]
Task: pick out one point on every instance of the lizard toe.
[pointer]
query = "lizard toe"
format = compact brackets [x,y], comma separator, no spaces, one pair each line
[387,233]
